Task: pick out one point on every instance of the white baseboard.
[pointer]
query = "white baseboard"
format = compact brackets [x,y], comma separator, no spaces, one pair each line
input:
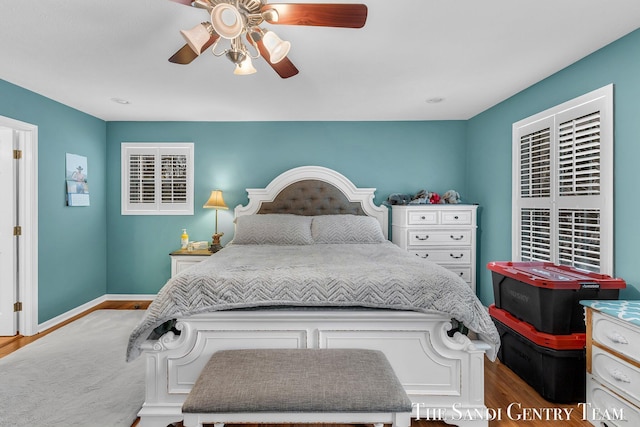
[130,297]
[89,305]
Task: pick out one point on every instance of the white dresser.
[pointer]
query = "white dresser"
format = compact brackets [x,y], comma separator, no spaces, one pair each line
[613,363]
[444,234]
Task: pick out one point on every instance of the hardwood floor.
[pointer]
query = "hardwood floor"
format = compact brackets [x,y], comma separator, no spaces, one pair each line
[503,389]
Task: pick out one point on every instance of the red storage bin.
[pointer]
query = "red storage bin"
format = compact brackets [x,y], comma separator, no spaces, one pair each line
[554,365]
[547,295]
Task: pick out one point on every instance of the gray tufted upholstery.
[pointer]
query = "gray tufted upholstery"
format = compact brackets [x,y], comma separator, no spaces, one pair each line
[311,197]
[297,380]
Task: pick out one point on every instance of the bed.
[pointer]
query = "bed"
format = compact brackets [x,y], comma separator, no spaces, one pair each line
[287,280]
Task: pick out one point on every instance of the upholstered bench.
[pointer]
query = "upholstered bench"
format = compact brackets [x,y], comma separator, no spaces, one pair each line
[276,386]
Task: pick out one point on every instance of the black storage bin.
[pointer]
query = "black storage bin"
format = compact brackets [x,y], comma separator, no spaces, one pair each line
[548,295]
[554,365]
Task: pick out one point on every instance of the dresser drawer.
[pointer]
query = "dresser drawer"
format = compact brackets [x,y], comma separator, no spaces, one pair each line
[604,408]
[463,272]
[445,256]
[439,237]
[425,217]
[619,375]
[456,217]
[616,335]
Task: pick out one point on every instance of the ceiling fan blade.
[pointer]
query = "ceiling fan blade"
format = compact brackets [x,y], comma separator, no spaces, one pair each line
[284,68]
[185,54]
[322,15]
[184,2]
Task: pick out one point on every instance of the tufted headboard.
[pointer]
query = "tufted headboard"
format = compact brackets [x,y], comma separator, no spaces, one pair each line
[314,190]
[311,197]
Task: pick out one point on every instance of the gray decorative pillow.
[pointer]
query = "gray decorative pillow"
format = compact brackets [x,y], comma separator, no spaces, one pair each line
[273,229]
[346,229]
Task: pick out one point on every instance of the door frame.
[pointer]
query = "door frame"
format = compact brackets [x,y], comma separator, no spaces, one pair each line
[28,220]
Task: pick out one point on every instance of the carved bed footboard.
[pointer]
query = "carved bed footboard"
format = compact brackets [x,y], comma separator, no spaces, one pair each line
[442,375]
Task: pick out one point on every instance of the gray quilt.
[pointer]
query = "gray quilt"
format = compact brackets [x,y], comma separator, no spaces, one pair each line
[321,275]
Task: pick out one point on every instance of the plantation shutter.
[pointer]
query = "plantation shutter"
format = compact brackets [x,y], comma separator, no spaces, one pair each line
[563,184]
[534,191]
[157,179]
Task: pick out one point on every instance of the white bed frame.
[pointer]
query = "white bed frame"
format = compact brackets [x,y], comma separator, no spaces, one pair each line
[443,376]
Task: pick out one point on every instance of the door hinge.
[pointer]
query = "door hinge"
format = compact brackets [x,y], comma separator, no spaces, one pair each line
[17,230]
[17,306]
[17,154]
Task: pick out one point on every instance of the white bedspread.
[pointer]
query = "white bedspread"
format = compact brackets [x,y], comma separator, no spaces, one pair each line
[321,275]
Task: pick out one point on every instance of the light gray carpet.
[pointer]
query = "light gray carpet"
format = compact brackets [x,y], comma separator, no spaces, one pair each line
[75,376]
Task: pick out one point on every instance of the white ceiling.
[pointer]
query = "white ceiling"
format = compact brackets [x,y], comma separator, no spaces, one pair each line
[471,53]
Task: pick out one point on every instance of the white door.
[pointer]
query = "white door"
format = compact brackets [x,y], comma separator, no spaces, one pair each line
[8,319]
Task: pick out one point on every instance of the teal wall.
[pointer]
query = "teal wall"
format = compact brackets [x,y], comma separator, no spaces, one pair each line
[72,244]
[489,154]
[87,252]
[390,156]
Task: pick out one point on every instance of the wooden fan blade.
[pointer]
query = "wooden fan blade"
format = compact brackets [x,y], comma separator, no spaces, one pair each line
[185,54]
[284,68]
[184,2]
[322,15]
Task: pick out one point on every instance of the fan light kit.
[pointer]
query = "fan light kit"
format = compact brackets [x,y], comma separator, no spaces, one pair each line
[235,20]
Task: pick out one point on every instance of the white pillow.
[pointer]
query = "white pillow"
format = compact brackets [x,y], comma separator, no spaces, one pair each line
[274,229]
[346,229]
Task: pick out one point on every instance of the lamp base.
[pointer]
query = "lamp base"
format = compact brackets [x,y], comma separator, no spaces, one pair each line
[215,243]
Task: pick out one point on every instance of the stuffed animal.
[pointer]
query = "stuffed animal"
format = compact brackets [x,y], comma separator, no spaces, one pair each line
[451,197]
[434,198]
[421,198]
[398,199]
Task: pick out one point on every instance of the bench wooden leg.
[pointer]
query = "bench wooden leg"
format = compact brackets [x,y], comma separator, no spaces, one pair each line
[401,419]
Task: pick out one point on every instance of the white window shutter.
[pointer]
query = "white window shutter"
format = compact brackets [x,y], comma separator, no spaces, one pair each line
[535,234]
[157,178]
[563,184]
[532,227]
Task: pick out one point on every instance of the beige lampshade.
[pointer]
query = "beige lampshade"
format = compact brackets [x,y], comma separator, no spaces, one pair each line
[245,67]
[197,37]
[278,49]
[215,201]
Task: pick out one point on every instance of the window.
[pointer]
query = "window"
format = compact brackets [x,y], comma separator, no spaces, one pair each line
[563,184]
[157,178]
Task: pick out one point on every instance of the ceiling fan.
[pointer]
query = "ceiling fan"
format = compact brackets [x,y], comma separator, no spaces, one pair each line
[234,20]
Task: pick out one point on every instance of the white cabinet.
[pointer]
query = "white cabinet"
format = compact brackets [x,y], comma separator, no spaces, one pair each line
[444,234]
[183,259]
[613,363]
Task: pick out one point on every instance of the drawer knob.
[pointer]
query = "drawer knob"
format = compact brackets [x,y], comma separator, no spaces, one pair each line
[426,236]
[423,217]
[456,238]
[455,217]
[456,256]
[617,338]
[425,256]
[619,376]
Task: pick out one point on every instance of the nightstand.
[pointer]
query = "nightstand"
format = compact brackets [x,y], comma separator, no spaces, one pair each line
[183,259]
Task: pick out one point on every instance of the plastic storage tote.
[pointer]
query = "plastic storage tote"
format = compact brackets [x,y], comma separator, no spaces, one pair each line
[548,295]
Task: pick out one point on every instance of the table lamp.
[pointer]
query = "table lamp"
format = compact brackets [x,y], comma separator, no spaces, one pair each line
[216,202]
